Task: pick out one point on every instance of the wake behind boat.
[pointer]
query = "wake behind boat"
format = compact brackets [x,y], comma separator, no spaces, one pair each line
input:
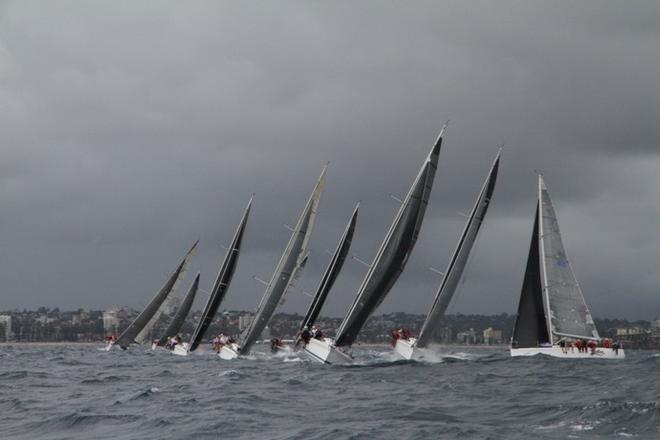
[553,317]
[388,264]
[409,347]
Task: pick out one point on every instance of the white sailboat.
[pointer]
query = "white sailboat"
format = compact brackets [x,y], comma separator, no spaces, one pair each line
[288,268]
[552,311]
[388,264]
[410,348]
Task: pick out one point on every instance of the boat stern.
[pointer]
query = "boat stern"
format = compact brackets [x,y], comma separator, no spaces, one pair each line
[228,352]
[405,347]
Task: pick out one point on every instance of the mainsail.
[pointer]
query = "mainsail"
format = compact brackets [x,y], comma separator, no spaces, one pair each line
[331,272]
[460,257]
[293,257]
[180,316]
[394,251]
[222,281]
[568,311]
[145,318]
[551,305]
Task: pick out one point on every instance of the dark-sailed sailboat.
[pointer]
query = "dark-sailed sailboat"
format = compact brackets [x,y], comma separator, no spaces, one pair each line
[175,325]
[552,312]
[220,287]
[146,319]
[388,264]
[407,348]
[330,274]
[291,262]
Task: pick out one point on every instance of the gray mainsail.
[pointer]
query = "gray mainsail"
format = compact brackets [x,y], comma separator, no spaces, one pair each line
[566,307]
[179,318]
[460,257]
[331,272]
[393,253]
[222,281]
[145,318]
[290,263]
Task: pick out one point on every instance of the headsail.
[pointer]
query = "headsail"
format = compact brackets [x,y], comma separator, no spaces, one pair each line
[331,272]
[531,329]
[568,311]
[394,251]
[179,318]
[459,259]
[222,281]
[286,270]
[144,319]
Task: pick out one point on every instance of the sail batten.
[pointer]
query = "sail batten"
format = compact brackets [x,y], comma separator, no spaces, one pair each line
[291,262]
[459,258]
[134,332]
[393,253]
[222,281]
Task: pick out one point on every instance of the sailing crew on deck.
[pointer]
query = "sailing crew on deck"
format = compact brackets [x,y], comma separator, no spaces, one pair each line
[304,336]
[316,332]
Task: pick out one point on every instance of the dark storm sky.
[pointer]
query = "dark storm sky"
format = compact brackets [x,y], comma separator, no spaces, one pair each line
[130,129]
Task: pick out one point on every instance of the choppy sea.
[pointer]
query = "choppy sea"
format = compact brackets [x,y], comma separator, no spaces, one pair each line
[78,392]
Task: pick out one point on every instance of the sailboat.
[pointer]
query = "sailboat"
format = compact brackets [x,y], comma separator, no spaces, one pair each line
[136,332]
[174,327]
[386,267]
[330,275]
[220,287]
[411,347]
[552,311]
[287,270]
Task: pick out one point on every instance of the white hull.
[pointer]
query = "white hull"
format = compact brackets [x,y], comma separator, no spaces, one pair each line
[555,351]
[181,349]
[325,352]
[109,346]
[406,348]
[229,352]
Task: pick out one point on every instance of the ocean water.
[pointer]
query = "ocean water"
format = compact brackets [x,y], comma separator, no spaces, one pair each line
[78,392]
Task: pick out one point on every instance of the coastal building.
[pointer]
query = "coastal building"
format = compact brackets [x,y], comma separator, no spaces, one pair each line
[492,336]
[244,321]
[5,328]
[110,322]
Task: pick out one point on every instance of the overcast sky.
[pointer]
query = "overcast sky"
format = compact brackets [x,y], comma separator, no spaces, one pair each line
[130,129]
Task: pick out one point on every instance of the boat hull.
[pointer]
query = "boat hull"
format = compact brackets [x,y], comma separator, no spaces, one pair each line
[601,353]
[324,351]
[181,349]
[405,348]
[229,352]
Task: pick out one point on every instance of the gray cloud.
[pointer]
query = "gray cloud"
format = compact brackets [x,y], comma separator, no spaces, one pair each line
[130,130]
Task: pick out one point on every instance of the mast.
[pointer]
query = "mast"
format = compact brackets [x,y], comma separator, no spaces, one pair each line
[460,256]
[544,273]
[331,272]
[222,281]
[394,252]
[145,318]
[290,263]
[567,311]
[180,316]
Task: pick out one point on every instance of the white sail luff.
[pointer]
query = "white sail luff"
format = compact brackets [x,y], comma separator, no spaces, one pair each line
[544,272]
